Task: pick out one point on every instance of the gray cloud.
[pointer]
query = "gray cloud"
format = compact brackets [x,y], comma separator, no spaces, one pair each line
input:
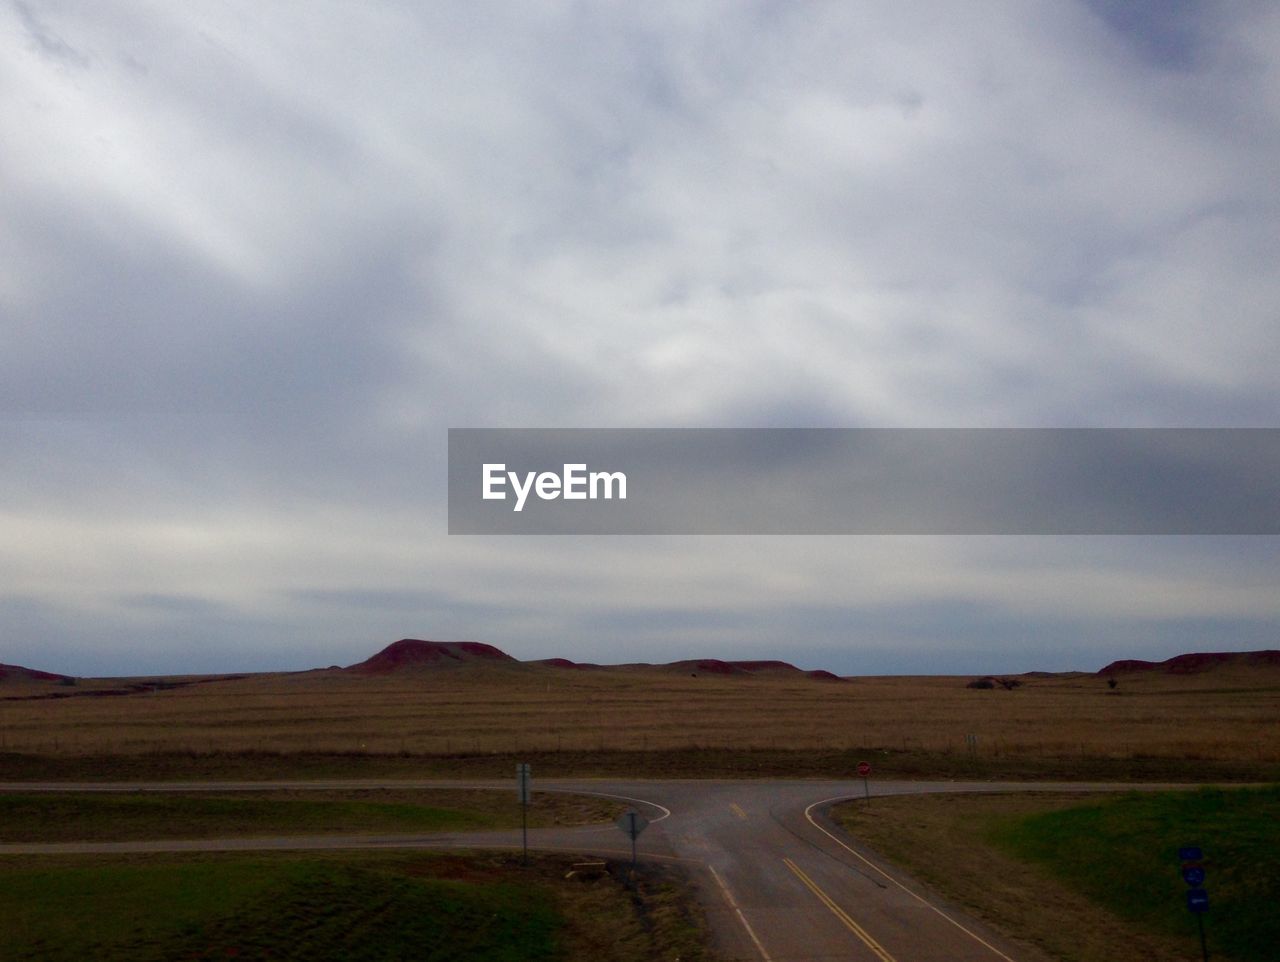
[255,261]
[46,40]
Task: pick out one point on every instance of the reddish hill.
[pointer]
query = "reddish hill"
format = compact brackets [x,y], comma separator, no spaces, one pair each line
[412,653]
[821,674]
[564,663]
[704,666]
[1195,662]
[18,673]
[715,666]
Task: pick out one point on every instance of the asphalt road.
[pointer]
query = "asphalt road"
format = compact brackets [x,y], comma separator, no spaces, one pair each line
[780,883]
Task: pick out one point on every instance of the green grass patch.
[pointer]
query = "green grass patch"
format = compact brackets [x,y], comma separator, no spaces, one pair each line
[50,817]
[111,816]
[1123,854]
[317,907]
[315,910]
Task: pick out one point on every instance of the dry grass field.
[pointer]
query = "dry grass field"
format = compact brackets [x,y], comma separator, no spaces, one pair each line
[1229,713]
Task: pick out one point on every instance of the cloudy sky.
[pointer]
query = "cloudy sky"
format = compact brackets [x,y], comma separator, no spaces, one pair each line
[255,260]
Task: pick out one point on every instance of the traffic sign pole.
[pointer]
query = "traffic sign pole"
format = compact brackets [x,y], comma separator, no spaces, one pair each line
[632,823]
[522,786]
[864,769]
[1193,874]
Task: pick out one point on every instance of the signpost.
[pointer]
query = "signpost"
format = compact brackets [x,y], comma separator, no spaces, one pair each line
[864,770]
[1193,874]
[632,824]
[523,780]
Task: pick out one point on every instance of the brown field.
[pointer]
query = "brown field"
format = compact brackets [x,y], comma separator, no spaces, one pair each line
[1228,714]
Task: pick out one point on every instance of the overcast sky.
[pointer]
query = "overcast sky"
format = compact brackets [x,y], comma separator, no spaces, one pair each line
[256,259]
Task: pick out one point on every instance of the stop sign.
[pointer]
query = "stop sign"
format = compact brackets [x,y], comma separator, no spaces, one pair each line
[864,769]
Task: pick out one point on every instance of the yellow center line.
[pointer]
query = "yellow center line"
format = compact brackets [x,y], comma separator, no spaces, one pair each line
[840,913]
[737,810]
[808,813]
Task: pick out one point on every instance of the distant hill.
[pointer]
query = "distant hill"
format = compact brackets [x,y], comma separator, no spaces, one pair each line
[697,666]
[412,653]
[18,673]
[1196,662]
[714,666]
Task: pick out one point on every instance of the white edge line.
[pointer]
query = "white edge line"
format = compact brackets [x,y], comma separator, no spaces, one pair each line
[666,812]
[728,897]
[808,814]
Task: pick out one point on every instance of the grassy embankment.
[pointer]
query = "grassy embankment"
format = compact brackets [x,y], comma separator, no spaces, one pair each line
[1096,879]
[57,817]
[446,907]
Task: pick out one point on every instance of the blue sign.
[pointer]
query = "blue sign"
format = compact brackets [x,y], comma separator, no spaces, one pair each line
[1193,875]
[1190,853]
[1197,900]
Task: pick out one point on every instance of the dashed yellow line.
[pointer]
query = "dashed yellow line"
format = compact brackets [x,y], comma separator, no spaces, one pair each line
[737,810]
[840,913]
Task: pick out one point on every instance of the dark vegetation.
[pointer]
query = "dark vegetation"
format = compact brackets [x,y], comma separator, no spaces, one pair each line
[987,764]
[436,908]
[988,682]
[87,816]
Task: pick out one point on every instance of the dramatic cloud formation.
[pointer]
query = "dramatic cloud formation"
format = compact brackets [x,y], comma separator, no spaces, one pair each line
[255,260]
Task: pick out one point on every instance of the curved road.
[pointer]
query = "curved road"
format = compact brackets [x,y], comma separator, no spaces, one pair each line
[780,883]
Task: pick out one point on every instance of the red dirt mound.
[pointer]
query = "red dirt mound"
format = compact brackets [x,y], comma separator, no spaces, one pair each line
[714,666]
[564,663]
[1195,662]
[705,666]
[1130,665]
[413,653]
[18,673]
[756,666]
[821,674]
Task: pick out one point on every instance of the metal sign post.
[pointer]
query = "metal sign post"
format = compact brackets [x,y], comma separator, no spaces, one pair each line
[864,769]
[1193,874]
[522,788]
[632,824]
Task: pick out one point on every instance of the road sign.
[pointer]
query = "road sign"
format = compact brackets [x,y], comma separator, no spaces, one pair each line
[632,823]
[864,769]
[1193,874]
[524,780]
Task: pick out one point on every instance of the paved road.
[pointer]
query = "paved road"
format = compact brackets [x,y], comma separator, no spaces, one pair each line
[780,883]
